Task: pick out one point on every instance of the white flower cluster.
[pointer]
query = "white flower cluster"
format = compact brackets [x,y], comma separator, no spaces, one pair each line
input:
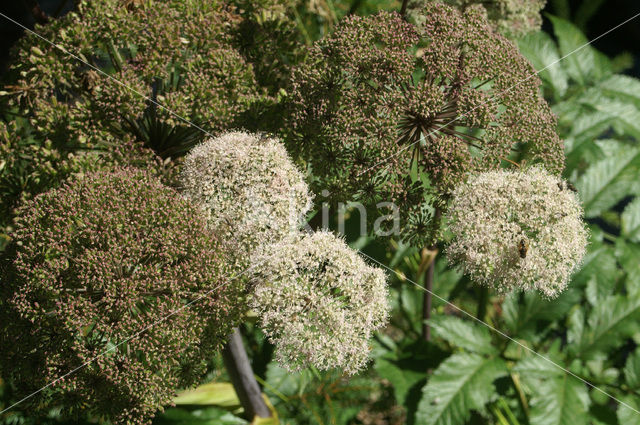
[250,189]
[517,229]
[319,302]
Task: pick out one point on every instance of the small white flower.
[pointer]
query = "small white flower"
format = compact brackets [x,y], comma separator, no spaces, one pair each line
[249,188]
[319,302]
[517,229]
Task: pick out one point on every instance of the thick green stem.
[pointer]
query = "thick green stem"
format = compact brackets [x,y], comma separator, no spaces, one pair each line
[403,9]
[483,299]
[244,382]
[427,299]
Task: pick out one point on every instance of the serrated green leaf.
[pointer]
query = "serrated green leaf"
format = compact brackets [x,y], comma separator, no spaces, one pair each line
[621,87]
[536,367]
[562,400]
[631,221]
[541,50]
[524,315]
[610,322]
[600,289]
[462,383]
[608,181]
[632,370]
[599,262]
[462,333]
[581,61]
[626,415]
[575,327]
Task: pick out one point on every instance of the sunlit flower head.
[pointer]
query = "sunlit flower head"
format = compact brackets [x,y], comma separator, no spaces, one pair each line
[517,229]
[249,188]
[319,302]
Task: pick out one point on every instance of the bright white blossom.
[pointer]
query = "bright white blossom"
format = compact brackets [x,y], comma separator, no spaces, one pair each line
[319,302]
[251,191]
[517,229]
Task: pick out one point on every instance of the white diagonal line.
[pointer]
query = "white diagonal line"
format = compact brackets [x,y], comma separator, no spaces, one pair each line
[500,93]
[499,332]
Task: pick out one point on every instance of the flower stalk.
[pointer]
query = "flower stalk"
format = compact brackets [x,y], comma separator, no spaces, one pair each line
[241,374]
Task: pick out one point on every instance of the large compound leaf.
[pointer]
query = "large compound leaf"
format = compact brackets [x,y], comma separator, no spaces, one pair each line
[621,87]
[463,333]
[628,415]
[609,180]
[582,62]
[541,50]
[521,316]
[610,322]
[562,400]
[631,221]
[632,370]
[462,383]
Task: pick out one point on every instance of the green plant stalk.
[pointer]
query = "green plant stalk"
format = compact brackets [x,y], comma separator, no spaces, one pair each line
[403,9]
[241,374]
[483,300]
[427,297]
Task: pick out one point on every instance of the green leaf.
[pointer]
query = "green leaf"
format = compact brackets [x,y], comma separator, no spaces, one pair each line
[561,400]
[582,62]
[608,181]
[541,50]
[610,322]
[627,416]
[621,87]
[205,416]
[462,383]
[462,333]
[631,221]
[536,367]
[632,370]
[523,315]
[599,262]
[212,394]
[401,378]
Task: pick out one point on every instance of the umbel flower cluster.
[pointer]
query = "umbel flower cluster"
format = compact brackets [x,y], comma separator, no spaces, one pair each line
[183,55]
[512,18]
[249,189]
[365,110]
[103,268]
[319,302]
[517,229]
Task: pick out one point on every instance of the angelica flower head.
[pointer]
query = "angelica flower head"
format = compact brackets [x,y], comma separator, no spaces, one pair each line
[512,18]
[517,229]
[365,110]
[102,270]
[250,190]
[319,302]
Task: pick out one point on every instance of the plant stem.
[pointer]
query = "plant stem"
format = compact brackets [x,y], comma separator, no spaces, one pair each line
[237,363]
[483,299]
[403,9]
[428,255]
[36,11]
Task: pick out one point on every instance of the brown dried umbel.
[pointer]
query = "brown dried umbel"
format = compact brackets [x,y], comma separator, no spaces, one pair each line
[377,118]
[104,258]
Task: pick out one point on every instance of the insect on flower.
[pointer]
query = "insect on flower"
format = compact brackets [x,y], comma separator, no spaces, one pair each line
[523,247]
